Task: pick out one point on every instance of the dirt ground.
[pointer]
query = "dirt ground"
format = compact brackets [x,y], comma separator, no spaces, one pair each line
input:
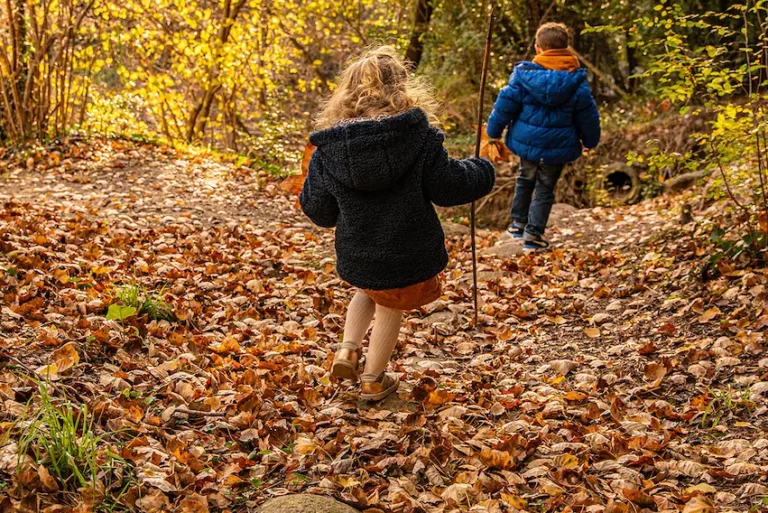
[604,376]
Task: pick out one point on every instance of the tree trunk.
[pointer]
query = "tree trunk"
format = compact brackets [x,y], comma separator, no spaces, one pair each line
[424,10]
[200,113]
[632,62]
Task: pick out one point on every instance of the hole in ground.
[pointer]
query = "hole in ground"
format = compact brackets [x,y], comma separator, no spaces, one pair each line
[618,183]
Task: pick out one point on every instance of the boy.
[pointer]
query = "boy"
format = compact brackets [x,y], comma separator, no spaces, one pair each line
[549,113]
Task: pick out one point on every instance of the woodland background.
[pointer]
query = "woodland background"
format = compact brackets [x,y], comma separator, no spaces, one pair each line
[247,75]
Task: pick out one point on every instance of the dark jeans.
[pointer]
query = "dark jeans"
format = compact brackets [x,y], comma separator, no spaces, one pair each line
[527,209]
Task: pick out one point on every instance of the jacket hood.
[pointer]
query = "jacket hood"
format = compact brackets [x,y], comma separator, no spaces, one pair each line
[548,87]
[372,155]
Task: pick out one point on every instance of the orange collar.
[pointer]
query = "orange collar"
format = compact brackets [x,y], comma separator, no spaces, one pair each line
[560,60]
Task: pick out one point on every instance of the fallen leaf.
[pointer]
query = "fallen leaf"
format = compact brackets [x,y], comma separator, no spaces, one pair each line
[457,493]
[563,367]
[592,332]
[709,315]
[699,504]
[228,345]
[62,359]
[701,487]
[655,371]
[496,459]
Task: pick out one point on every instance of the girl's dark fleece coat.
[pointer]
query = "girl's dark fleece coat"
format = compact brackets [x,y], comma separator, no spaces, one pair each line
[376,182]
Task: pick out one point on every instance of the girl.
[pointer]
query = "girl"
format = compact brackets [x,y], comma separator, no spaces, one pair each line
[379,166]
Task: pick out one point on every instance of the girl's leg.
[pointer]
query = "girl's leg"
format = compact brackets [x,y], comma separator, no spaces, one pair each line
[386,328]
[359,317]
[377,384]
[358,321]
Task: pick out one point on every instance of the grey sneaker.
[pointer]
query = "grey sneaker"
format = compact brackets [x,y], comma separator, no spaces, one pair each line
[534,242]
[516,231]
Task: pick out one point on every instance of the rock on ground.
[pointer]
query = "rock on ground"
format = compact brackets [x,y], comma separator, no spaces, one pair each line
[305,503]
[559,212]
[450,228]
[505,248]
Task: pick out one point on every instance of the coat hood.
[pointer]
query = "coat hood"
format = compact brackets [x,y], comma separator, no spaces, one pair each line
[551,88]
[372,155]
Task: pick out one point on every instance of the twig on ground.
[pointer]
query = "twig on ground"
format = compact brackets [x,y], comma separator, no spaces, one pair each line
[199,413]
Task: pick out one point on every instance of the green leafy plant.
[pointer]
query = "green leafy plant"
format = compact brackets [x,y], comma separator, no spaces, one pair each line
[133,299]
[726,401]
[761,505]
[120,312]
[726,78]
[728,248]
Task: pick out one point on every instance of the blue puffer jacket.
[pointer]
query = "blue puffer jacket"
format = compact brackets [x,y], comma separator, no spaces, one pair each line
[550,114]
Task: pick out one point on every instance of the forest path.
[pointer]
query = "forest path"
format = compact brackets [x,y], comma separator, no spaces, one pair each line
[149,186]
[603,376]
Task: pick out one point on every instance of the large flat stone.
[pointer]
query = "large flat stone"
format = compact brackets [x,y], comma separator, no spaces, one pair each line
[450,229]
[304,503]
[506,248]
[560,211]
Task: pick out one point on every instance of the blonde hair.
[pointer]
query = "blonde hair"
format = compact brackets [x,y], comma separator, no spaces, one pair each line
[553,36]
[378,83]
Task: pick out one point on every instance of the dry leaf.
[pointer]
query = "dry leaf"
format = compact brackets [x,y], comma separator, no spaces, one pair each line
[568,461]
[699,504]
[701,487]
[592,332]
[48,481]
[709,315]
[655,371]
[228,345]
[563,367]
[194,503]
[295,183]
[496,459]
[493,149]
[457,494]
[62,359]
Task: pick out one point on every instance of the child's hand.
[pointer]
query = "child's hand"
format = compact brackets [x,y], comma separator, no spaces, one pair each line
[494,149]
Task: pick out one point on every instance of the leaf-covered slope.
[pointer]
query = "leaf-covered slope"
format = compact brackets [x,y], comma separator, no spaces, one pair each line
[604,376]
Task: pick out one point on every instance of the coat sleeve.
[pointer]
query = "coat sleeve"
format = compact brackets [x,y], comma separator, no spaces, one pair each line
[449,182]
[587,118]
[506,109]
[316,202]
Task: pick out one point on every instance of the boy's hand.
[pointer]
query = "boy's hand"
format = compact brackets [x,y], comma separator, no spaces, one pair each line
[494,149]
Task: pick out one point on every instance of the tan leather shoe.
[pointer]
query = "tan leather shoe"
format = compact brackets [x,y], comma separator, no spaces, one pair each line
[346,361]
[376,388]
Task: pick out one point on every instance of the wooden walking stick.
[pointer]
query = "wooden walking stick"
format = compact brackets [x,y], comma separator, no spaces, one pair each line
[483,77]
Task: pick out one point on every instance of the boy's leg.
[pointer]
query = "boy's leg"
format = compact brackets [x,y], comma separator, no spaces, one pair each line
[524,186]
[541,206]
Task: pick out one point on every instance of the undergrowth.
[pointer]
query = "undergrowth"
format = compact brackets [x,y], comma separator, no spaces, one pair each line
[61,437]
[133,299]
[726,402]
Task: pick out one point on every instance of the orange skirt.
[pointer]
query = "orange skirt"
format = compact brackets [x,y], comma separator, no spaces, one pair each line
[410,297]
